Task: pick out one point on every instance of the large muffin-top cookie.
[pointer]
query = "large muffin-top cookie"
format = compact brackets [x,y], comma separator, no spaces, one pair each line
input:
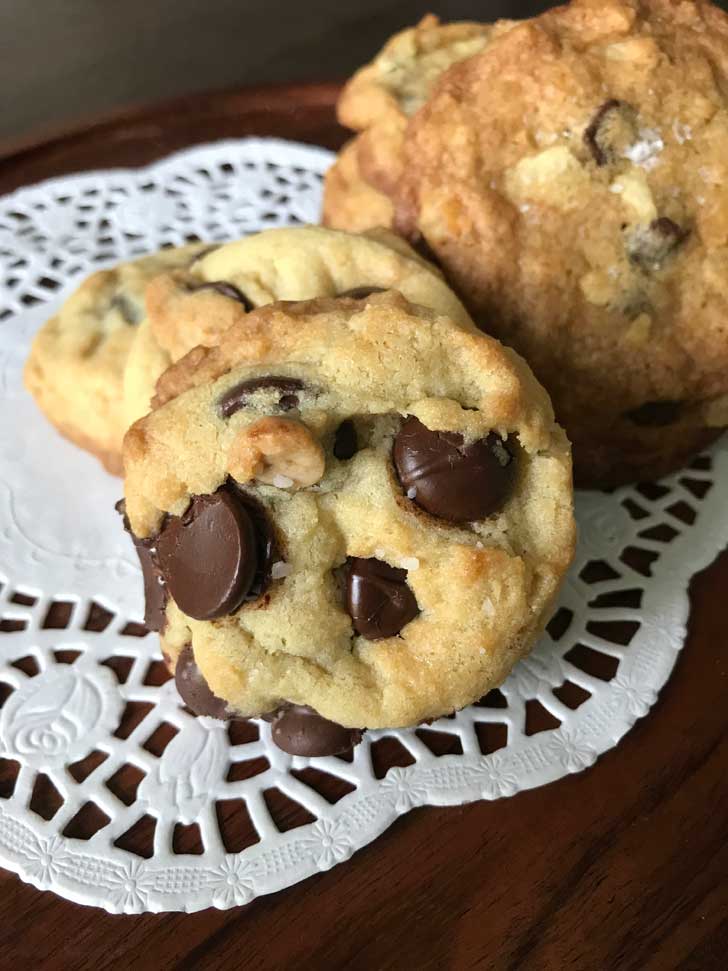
[571,179]
[191,306]
[76,365]
[352,507]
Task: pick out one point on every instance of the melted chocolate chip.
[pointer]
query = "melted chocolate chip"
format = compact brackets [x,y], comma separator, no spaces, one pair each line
[299,730]
[155,588]
[651,246]
[378,599]
[237,397]
[346,443]
[656,414]
[209,556]
[266,548]
[457,482]
[611,128]
[194,690]
[225,290]
[361,293]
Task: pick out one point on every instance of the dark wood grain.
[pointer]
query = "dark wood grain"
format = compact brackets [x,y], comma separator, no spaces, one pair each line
[139,134]
[623,867]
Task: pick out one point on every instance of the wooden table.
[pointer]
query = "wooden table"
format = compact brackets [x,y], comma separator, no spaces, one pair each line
[622,867]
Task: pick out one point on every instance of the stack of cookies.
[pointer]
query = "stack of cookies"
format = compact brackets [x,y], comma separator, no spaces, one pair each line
[349,495]
[569,175]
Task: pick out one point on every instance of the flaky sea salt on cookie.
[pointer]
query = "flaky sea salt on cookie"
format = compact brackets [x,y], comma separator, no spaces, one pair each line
[352,513]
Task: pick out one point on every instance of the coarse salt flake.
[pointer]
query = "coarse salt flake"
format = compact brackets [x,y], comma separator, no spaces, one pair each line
[280,570]
[645,150]
[282,482]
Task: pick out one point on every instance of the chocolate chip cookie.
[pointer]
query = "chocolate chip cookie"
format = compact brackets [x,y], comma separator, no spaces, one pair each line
[352,512]
[570,178]
[76,364]
[190,306]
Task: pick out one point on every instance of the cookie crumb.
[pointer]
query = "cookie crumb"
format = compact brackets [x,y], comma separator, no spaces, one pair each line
[682,133]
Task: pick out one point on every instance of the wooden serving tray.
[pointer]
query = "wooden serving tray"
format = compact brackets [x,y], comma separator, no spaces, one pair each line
[622,866]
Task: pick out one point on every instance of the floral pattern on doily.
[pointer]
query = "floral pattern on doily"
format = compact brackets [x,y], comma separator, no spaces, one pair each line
[232,883]
[80,710]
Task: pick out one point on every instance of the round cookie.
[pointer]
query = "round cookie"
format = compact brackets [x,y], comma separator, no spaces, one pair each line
[191,306]
[76,364]
[583,217]
[357,506]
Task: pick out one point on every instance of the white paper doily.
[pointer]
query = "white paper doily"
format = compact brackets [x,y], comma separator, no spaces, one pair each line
[88,735]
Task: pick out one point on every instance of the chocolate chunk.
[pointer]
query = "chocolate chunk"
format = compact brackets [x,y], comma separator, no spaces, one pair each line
[612,129]
[132,312]
[194,690]
[378,599]
[457,482]
[155,588]
[299,730]
[346,443]
[655,414]
[651,246]
[361,293]
[236,397]
[225,290]
[209,556]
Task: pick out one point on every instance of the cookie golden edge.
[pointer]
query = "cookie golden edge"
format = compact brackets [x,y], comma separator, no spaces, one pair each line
[75,369]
